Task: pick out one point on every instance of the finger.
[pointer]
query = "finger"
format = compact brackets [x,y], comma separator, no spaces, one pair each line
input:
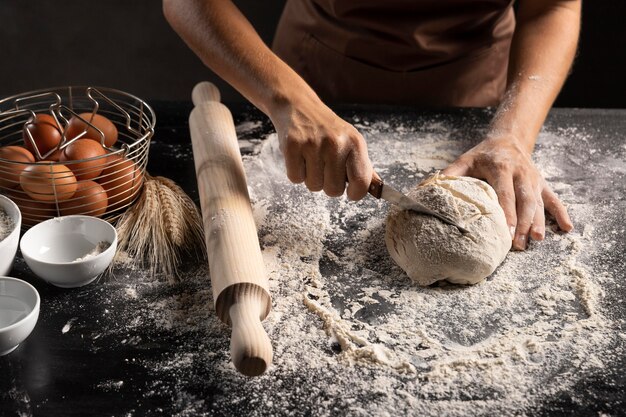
[538,228]
[314,167]
[557,209]
[294,163]
[526,206]
[335,176]
[296,169]
[503,187]
[359,170]
[457,168]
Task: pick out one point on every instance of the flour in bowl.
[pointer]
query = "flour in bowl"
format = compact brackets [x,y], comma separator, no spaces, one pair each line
[100,247]
[6,224]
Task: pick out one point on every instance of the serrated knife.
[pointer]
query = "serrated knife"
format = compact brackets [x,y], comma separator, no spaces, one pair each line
[380,190]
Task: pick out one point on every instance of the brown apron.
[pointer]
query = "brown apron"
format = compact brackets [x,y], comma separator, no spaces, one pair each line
[434,53]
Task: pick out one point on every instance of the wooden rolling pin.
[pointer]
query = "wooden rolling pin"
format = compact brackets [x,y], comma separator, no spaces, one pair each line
[240,285]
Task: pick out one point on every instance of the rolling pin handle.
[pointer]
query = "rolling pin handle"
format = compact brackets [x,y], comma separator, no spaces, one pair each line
[250,347]
[204,92]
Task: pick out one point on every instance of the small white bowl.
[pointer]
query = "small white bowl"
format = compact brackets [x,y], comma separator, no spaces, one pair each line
[8,246]
[19,311]
[63,251]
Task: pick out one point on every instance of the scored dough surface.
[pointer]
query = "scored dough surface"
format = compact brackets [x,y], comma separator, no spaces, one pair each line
[429,250]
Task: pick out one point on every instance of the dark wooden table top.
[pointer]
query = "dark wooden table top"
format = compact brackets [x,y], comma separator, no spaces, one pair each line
[78,372]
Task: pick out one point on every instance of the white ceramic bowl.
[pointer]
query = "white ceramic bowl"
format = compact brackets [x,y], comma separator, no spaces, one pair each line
[8,246]
[19,311]
[62,250]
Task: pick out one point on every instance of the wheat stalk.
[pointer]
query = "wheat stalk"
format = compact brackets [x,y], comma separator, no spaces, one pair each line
[172,214]
[192,226]
[163,224]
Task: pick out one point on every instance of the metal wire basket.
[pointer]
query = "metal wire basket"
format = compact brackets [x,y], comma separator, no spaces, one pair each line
[43,181]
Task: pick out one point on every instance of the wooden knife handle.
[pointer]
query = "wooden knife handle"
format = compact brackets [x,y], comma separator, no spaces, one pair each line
[238,278]
[376,186]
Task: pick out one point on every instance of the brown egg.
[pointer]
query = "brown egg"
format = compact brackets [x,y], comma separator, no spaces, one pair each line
[121,179]
[10,172]
[46,134]
[89,198]
[84,149]
[76,126]
[32,211]
[55,156]
[47,181]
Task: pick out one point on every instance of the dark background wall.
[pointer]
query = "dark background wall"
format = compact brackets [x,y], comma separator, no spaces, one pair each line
[128,45]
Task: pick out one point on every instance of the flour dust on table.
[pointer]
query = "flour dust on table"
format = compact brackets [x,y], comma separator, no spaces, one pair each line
[352,334]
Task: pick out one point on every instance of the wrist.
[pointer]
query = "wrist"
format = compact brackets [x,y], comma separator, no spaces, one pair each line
[289,93]
[509,139]
[513,136]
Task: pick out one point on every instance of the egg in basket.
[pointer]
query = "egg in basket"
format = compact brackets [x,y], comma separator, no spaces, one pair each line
[73,150]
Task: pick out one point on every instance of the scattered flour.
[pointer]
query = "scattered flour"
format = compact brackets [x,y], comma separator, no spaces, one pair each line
[471,341]
[248,126]
[353,336]
[110,385]
[68,326]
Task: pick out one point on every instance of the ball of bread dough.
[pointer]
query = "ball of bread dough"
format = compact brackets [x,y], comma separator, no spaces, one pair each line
[429,250]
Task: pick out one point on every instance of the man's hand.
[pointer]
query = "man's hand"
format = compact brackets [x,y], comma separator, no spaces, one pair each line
[542,52]
[321,149]
[522,191]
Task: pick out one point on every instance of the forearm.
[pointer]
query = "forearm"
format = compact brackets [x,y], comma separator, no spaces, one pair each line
[226,43]
[320,149]
[542,53]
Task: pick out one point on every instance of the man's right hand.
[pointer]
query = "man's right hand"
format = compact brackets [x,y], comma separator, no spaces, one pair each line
[321,149]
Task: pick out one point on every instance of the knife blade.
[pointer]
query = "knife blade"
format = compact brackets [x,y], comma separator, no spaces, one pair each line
[379,190]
